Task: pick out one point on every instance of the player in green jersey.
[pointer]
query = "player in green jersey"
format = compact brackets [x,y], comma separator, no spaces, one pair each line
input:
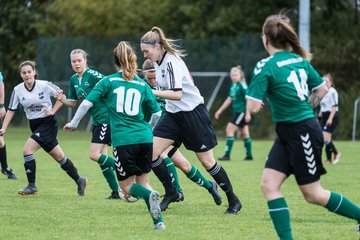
[5,169]
[173,156]
[81,84]
[236,99]
[286,78]
[127,97]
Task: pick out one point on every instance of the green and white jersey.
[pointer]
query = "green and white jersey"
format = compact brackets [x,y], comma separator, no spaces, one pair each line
[81,87]
[286,80]
[161,101]
[126,102]
[237,94]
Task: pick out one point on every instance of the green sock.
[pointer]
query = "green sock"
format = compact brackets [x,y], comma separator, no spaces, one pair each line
[343,206]
[229,144]
[107,165]
[139,191]
[196,176]
[173,174]
[247,145]
[280,215]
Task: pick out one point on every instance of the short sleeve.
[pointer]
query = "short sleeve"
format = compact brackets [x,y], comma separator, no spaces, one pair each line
[259,83]
[98,92]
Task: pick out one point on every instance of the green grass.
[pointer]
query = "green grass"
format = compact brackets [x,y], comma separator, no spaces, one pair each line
[58,213]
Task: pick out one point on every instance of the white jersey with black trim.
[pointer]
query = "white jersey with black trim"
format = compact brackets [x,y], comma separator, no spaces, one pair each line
[34,100]
[330,100]
[172,74]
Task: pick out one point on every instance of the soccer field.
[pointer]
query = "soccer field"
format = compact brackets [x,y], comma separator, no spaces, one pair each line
[58,213]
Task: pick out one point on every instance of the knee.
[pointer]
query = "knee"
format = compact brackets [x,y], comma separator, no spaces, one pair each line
[184,166]
[94,156]
[268,188]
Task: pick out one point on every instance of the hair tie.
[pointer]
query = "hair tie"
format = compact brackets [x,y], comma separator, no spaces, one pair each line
[153,43]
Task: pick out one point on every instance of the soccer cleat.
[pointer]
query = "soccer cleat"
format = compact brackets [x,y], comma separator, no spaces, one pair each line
[176,197]
[9,173]
[28,191]
[159,226]
[82,183]
[114,195]
[155,210]
[234,207]
[336,158]
[248,158]
[181,197]
[215,193]
[224,158]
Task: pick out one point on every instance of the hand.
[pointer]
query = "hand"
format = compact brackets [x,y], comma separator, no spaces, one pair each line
[248,118]
[59,95]
[2,113]
[2,132]
[69,128]
[329,122]
[217,115]
[48,112]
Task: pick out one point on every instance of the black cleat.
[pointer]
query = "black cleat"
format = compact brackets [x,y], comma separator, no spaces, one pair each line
[224,158]
[82,183]
[215,193]
[234,207]
[248,158]
[9,173]
[114,195]
[176,197]
[26,191]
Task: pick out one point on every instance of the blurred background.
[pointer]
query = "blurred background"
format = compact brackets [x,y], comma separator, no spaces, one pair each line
[217,34]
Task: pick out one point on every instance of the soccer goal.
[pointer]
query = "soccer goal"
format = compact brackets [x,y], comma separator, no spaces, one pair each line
[356,110]
[209,89]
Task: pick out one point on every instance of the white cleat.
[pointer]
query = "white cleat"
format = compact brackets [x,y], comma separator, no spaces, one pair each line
[154,200]
[159,226]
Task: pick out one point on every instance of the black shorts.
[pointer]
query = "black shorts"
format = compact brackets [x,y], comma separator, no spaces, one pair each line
[332,127]
[297,150]
[131,160]
[192,128]
[101,134]
[238,119]
[44,132]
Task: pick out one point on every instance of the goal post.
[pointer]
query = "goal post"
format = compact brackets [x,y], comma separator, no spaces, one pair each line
[356,103]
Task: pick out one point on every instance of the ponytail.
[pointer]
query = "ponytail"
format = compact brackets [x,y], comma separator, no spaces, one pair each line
[126,58]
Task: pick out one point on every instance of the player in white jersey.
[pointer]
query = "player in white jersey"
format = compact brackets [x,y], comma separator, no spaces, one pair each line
[34,96]
[185,120]
[329,116]
[5,169]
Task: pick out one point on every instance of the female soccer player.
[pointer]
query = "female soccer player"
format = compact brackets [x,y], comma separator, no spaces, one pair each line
[172,155]
[329,119]
[5,169]
[237,99]
[34,96]
[127,96]
[185,119]
[285,79]
[81,84]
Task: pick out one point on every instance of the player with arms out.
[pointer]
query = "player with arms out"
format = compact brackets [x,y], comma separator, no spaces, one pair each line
[237,100]
[81,84]
[172,155]
[285,78]
[34,95]
[185,120]
[127,96]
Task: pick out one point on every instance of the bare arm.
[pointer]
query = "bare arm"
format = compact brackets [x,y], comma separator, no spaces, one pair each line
[223,107]
[168,94]
[55,108]
[2,100]
[62,98]
[252,106]
[317,95]
[331,116]
[9,115]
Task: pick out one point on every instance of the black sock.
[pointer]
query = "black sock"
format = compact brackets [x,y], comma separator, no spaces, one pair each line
[162,173]
[67,165]
[220,176]
[3,160]
[30,168]
[328,151]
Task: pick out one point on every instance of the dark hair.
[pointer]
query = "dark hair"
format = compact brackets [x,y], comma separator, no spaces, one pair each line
[30,63]
[281,34]
[125,58]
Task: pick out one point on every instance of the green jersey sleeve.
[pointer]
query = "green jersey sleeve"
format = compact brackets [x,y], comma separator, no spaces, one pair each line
[260,81]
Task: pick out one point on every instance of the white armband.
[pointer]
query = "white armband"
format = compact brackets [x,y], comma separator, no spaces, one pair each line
[80,113]
[155,118]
